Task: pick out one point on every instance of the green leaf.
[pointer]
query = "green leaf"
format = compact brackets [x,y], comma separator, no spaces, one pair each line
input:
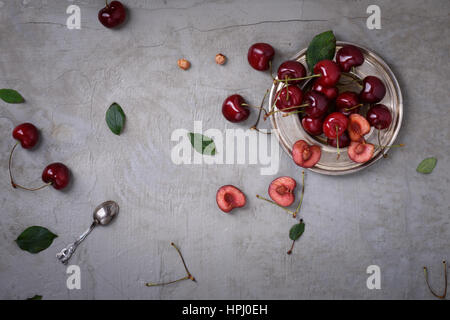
[297,230]
[115,118]
[11,96]
[427,165]
[35,239]
[35,297]
[322,47]
[202,144]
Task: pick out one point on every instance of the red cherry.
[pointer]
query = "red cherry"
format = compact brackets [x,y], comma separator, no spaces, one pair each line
[349,56]
[281,190]
[234,110]
[27,134]
[291,69]
[329,72]
[333,121]
[57,174]
[330,92]
[112,15]
[305,155]
[286,101]
[317,104]
[346,103]
[373,90]
[344,141]
[260,55]
[379,116]
[312,125]
[229,197]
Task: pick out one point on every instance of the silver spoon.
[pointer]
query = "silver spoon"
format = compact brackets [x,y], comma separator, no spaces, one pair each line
[103,215]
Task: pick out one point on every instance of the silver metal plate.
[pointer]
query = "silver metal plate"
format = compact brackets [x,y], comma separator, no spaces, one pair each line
[289,129]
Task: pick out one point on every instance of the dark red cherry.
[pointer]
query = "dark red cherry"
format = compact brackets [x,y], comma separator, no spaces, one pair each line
[27,134]
[373,90]
[260,55]
[349,56]
[317,104]
[330,92]
[234,110]
[344,141]
[112,15]
[333,121]
[329,72]
[312,125]
[57,174]
[379,116]
[289,100]
[291,69]
[347,100]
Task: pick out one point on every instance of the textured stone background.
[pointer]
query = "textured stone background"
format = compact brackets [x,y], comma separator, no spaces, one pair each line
[387,215]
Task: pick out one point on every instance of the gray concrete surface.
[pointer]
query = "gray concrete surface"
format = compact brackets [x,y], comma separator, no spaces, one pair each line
[387,215]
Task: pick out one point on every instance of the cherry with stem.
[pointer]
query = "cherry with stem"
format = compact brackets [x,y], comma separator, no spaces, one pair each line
[425,271]
[337,143]
[297,210]
[13,183]
[187,277]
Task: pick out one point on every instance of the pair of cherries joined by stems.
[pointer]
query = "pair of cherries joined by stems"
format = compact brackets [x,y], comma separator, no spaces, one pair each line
[55,174]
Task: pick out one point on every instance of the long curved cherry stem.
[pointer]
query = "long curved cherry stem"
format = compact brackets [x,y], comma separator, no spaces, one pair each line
[301,196]
[188,276]
[298,79]
[337,144]
[273,202]
[15,185]
[261,108]
[445,279]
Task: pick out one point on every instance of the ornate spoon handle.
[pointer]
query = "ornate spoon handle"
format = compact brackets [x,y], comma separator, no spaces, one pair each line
[67,252]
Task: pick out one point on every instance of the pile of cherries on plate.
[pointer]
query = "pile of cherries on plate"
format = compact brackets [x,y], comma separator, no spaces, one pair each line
[322,109]
[336,114]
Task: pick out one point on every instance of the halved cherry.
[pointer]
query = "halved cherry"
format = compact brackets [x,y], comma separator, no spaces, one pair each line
[358,126]
[281,190]
[229,197]
[305,155]
[360,151]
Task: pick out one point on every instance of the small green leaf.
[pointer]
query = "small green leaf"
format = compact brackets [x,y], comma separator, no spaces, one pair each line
[202,144]
[35,239]
[427,165]
[297,230]
[115,118]
[322,47]
[11,96]
[35,297]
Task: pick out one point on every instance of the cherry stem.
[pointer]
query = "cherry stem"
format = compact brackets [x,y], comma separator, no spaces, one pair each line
[445,279]
[293,112]
[287,89]
[292,247]
[107,4]
[255,126]
[15,185]
[301,196]
[353,77]
[379,142]
[255,107]
[337,144]
[273,202]
[285,109]
[188,276]
[286,79]
[393,146]
[271,71]
[354,107]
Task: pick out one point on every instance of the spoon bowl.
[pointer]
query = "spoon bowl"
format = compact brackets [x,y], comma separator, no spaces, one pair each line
[105,212]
